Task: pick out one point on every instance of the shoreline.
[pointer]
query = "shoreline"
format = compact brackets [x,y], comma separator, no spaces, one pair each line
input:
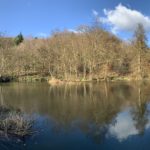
[57,81]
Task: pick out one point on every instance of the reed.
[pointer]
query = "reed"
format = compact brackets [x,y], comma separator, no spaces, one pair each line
[14,122]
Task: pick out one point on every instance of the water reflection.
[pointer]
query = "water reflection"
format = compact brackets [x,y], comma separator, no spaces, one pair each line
[96,112]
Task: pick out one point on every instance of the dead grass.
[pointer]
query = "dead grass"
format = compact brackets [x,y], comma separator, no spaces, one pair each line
[54,81]
[14,122]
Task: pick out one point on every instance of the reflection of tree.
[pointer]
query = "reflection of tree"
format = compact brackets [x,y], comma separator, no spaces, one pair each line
[97,133]
[140,118]
[95,106]
[1,96]
[89,107]
[140,112]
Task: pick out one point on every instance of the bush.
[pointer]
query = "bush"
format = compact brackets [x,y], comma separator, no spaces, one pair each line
[14,122]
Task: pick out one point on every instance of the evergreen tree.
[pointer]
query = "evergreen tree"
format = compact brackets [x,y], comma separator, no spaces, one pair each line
[140,38]
[140,45]
[19,39]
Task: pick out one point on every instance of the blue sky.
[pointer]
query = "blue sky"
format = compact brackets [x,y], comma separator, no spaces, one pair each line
[40,17]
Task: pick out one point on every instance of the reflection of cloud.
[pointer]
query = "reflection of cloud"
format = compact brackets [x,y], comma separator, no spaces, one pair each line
[124,127]
[148,124]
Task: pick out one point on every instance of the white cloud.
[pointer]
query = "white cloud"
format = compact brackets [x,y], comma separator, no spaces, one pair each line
[42,35]
[73,31]
[125,19]
[95,13]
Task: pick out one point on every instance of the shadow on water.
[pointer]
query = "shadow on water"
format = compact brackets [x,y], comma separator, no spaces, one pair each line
[91,116]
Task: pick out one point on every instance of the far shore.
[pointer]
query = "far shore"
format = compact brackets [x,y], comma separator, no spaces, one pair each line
[58,81]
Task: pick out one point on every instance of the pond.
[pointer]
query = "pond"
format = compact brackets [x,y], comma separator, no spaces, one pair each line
[89,116]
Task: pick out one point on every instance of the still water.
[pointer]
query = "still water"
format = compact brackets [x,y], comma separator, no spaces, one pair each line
[104,116]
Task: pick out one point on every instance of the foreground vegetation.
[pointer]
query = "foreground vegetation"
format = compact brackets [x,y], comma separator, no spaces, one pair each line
[91,54]
[14,123]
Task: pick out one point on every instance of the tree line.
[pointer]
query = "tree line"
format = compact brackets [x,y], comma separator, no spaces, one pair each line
[90,54]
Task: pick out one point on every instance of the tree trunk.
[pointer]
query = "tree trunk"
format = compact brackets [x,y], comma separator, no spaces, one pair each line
[139,66]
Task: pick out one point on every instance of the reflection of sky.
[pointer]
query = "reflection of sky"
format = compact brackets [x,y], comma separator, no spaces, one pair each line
[124,126]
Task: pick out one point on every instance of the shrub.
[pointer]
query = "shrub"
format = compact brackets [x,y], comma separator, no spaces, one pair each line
[14,122]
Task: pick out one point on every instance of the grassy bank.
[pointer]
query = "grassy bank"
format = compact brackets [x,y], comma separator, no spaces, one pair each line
[55,81]
[71,80]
